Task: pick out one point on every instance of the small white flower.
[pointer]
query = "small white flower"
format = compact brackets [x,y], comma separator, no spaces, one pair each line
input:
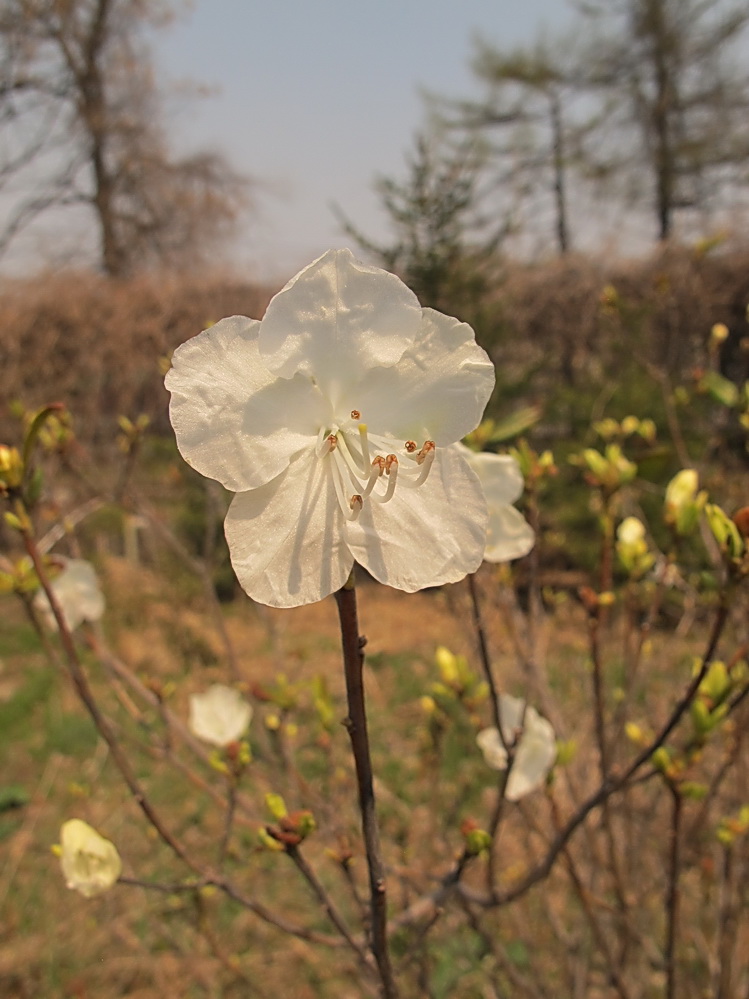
[335,420]
[77,592]
[535,752]
[508,535]
[90,863]
[220,715]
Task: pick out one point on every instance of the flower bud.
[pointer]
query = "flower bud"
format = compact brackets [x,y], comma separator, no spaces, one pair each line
[683,504]
[725,531]
[632,548]
[477,841]
[11,468]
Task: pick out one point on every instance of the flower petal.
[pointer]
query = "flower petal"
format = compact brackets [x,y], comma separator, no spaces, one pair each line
[336,319]
[512,714]
[500,475]
[508,536]
[536,754]
[90,863]
[424,536]
[285,538]
[77,592]
[234,420]
[220,715]
[437,390]
[536,750]
[490,744]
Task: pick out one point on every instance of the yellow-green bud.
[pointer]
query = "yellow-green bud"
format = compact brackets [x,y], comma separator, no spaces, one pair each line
[276,806]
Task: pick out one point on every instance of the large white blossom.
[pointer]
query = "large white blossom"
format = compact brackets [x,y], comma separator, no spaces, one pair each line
[535,750]
[508,534]
[335,421]
[220,715]
[77,591]
[90,863]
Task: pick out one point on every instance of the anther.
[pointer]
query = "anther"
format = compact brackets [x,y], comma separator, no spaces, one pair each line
[325,444]
[427,448]
[355,414]
[356,503]
[392,459]
[410,446]
[380,464]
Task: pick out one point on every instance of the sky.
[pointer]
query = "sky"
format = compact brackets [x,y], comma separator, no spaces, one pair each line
[315,98]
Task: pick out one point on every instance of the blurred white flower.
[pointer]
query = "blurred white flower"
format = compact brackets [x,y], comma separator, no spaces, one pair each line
[535,751]
[78,594]
[334,420]
[508,535]
[90,863]
[220,715]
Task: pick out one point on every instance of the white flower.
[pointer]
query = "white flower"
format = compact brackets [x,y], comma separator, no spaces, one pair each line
[220,715]
[334,420]
[90,863]
[77,592]
[535,751]
[508,535]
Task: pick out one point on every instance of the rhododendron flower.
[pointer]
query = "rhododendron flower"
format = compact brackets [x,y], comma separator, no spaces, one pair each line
[508,535]
[535,750]
[90,863]
[334,420]
[77,591]
[220,715]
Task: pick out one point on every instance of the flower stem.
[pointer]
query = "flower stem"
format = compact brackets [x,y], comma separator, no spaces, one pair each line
[356,725]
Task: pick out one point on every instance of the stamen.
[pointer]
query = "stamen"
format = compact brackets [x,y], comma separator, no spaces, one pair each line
[426,459]
[391,468]
[350,465]
[325,444]
[363,440]
[352,457]
[428,448]
[355,414]
[378,467]
[349,507]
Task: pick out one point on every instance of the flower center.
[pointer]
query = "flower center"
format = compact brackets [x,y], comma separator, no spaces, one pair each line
[368,466]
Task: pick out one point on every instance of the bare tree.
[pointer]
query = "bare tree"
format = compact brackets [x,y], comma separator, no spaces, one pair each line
[677,103]
[80,116]
[530,118]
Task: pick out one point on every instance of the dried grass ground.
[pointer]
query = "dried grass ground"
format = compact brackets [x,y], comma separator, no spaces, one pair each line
[129,942]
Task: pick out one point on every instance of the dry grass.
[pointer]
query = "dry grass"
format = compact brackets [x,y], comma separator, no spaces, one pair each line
[95,344]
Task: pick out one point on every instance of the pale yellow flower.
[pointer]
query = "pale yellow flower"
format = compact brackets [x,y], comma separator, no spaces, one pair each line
[90,863]
[220,715]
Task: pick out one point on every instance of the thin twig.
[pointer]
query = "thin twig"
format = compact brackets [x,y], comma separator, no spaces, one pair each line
[672,890]
[612,783]
[356,725]
[327,903]
[85,693]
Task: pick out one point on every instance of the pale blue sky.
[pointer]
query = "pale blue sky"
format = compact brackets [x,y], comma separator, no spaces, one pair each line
[316,98]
